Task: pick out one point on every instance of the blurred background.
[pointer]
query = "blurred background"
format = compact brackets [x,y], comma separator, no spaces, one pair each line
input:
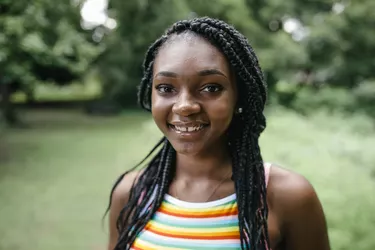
[70,124]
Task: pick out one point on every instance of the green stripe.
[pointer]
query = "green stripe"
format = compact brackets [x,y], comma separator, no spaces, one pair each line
[199,225]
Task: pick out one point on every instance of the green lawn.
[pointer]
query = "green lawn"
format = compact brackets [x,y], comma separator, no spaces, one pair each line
[55,177]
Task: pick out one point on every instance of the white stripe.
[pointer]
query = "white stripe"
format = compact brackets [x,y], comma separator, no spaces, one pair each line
[209,204]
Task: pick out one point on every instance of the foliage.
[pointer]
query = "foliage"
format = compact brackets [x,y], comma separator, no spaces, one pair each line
[341,43]
[42,40]
[309,99]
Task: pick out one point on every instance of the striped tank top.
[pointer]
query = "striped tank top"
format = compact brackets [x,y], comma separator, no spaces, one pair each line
[181,225]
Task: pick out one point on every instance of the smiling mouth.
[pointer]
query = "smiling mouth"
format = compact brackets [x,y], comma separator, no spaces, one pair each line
[188,129]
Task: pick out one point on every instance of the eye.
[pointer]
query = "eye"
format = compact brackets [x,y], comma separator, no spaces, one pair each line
[164,88]
[212,88]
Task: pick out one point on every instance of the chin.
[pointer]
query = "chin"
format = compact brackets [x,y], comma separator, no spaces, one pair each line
[187,148]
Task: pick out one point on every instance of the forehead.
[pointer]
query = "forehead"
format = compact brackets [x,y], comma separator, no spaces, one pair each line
[188,55]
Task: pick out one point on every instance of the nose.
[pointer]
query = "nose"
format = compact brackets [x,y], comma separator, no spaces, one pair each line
[186,105]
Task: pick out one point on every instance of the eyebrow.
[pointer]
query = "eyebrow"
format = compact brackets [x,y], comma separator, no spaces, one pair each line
[166,74]
[205,72]
[208,72]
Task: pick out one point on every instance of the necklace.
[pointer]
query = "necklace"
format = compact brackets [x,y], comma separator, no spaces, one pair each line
[215,189]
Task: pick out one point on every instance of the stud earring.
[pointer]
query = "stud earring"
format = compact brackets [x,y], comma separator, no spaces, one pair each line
[239,111]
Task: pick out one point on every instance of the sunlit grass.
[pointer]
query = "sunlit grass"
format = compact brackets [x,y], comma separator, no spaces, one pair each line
[55,177]
[77,91]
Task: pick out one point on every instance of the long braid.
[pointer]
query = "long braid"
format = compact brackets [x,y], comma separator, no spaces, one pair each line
[119,179]
[148,193]
[152,186]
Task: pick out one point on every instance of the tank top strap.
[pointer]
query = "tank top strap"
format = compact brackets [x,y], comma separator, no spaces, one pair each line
[267,168]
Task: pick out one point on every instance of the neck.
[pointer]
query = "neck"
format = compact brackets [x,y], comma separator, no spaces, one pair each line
[211,165]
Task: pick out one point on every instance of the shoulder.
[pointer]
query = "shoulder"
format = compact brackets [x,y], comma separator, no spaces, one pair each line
[119,198]
[289,191]
[289,185]
[294,201]
[121,192]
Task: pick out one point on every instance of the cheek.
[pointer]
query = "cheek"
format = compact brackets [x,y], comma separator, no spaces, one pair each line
[159,109]
[222,110]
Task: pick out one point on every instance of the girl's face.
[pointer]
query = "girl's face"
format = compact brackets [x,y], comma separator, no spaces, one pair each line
[193,95]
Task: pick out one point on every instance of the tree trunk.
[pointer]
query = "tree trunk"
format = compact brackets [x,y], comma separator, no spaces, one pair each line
[7,107]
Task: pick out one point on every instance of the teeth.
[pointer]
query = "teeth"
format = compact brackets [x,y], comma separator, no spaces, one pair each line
[188,129]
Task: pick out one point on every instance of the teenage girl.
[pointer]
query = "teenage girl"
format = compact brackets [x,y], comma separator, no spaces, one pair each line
[206,185]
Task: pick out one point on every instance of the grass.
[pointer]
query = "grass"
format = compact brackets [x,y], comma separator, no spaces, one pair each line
[88,89]
[56,176]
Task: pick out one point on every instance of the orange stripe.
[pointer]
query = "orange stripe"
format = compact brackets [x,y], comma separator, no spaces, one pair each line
[234,235]
[197,237]
[136,248]
[231,231]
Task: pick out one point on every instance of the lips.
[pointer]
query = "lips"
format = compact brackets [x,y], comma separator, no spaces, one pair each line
[187,127]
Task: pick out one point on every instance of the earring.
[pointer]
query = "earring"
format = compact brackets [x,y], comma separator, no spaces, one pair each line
[239,111]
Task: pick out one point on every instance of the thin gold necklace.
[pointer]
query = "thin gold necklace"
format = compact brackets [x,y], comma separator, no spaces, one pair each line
[215,189]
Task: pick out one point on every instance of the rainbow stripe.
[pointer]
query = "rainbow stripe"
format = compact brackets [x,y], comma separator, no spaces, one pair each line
[179,225]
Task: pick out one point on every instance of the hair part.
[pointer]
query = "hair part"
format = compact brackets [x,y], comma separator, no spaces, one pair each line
[244,132]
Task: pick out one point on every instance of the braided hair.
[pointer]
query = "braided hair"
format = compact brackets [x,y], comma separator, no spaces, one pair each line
[244,132]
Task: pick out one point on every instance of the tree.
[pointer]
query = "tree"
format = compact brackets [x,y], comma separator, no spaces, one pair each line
[341,45]
[40,41]
[333,39]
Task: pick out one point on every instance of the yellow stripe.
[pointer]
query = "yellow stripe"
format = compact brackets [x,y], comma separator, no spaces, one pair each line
[139,243]
[220,209]
[191,231]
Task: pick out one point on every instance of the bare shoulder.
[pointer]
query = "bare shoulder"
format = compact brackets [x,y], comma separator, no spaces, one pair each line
[289,185]
[296,204]
[122,191]
[119,199]
[290,192]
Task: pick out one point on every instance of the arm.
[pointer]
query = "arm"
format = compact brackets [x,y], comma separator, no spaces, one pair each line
[304,223]
[120,198]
